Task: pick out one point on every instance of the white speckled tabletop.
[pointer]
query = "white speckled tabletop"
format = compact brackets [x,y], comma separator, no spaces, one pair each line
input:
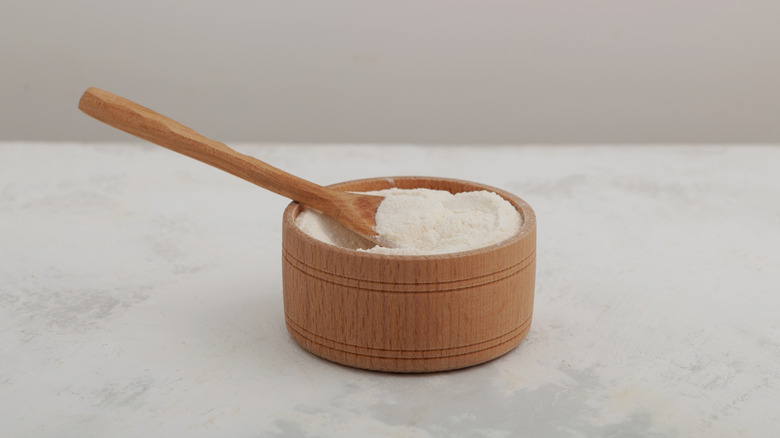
[140,295]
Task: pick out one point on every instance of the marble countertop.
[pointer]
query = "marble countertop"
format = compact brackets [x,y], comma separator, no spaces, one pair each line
[140,295]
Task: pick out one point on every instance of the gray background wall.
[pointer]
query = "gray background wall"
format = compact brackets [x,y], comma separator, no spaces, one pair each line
[400,71]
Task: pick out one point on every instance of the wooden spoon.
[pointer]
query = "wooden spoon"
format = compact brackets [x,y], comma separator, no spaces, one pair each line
[354,211]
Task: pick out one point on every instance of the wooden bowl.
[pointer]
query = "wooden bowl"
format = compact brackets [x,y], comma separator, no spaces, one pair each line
[404,313]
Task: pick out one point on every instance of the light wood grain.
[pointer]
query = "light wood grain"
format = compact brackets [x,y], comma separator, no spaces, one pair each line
[356,212]
[409,313]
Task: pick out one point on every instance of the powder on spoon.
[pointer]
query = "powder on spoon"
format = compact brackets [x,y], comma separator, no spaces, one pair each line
[424,221]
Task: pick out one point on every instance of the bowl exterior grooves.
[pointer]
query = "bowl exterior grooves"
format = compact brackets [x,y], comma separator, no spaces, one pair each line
[409,313]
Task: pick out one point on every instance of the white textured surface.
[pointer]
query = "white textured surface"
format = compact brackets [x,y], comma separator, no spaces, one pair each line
[140,295]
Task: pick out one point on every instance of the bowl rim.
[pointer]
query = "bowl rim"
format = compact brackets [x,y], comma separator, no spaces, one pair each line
[527,227]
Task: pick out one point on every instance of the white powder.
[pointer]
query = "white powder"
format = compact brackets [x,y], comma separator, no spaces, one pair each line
[423,221]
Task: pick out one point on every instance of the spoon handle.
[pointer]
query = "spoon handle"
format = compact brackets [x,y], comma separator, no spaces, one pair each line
[144,123]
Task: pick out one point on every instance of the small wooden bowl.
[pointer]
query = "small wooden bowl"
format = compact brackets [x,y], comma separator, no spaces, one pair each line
[409,313]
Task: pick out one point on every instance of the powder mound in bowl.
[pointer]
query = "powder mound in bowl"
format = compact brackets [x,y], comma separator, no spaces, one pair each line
[424,222]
